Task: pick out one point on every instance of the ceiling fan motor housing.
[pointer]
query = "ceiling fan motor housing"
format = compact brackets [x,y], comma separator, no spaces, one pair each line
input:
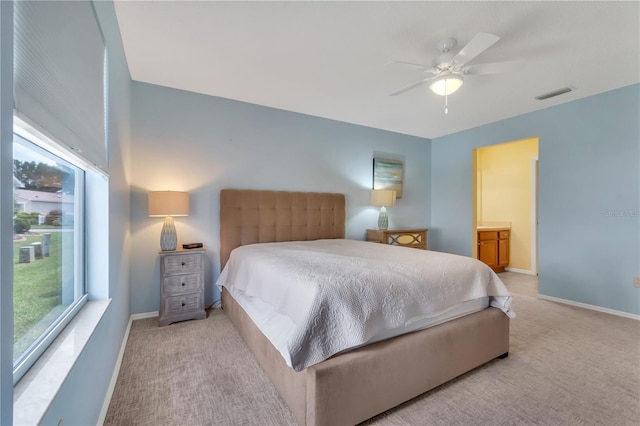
[443,61]
[447,45]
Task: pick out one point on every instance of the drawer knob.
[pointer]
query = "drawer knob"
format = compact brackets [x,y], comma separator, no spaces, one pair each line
[183,263]
[182,303]
[182,284]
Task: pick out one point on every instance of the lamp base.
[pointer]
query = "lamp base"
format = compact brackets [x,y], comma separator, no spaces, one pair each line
[168,236]
[383,219]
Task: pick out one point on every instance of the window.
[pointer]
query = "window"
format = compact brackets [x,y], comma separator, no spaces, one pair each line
[61,168]
[49,214]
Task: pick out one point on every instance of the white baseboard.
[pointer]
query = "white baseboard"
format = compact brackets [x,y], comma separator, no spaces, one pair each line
[592,307]
[144,315]
[116,368]
[520,271]
[114,376]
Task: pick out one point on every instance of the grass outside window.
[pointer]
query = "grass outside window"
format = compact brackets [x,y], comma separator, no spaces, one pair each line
[37,290]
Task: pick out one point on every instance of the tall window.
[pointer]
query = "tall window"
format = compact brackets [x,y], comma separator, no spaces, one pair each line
[60,145]
[48,241]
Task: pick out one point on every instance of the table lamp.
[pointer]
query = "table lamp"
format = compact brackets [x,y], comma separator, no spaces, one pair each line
[382,198]
[168,204]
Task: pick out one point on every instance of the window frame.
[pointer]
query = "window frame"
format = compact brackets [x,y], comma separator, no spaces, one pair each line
[32,135]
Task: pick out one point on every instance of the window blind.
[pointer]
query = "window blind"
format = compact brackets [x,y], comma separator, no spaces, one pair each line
[59,74]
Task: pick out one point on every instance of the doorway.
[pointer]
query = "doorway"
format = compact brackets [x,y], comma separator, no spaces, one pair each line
[505,188]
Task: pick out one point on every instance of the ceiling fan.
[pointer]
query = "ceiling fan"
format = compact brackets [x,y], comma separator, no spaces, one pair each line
[448,70]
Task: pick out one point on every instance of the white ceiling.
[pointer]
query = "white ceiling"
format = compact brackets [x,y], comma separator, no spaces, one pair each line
[332,59]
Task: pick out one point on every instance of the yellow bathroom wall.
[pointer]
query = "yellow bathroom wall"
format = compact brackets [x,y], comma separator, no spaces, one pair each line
[504,193]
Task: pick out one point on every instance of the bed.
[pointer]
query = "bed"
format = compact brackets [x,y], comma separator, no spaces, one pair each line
[350,386]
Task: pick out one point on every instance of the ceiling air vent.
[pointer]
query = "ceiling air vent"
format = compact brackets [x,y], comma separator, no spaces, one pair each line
[554,93]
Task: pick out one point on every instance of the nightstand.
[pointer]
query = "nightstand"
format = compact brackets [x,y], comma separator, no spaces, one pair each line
[181,286]
[415,238]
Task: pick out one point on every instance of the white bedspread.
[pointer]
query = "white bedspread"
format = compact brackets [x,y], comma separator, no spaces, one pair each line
[340,293]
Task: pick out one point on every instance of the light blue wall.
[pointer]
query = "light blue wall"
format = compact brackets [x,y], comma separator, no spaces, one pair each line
[80,399]
[201,144]
[589,195]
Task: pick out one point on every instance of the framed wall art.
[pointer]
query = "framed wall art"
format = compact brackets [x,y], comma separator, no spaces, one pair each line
[388,174]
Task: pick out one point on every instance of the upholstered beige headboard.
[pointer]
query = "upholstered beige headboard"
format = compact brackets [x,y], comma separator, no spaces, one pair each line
[251,216]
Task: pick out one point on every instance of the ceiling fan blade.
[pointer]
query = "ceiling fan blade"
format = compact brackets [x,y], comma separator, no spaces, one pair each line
[480,43]
[413,86]
[491,68]
[411,64]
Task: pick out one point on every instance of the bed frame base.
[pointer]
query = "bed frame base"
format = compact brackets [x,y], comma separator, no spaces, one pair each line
[352,387]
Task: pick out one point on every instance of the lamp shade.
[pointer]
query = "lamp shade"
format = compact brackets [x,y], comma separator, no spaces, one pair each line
[383,197]
[446,84]
[168,203]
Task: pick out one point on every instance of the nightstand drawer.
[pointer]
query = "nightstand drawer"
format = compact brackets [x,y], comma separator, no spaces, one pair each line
[188,303]
[180,284]
[182,264]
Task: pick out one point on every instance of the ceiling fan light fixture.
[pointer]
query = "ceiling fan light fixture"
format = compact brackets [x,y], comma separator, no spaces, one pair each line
[446,84]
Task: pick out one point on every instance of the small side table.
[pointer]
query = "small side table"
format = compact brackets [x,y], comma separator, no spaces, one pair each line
[415,238]
[181,285]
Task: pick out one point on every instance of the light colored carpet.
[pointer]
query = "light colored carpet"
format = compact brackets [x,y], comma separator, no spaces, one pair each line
[567,366]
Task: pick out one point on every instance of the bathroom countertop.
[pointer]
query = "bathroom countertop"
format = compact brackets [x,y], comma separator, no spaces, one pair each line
[493,228]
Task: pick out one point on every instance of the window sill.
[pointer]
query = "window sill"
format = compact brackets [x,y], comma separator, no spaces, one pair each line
[33,394]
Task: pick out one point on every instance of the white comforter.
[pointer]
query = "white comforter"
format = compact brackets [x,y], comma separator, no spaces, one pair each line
[340,293]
